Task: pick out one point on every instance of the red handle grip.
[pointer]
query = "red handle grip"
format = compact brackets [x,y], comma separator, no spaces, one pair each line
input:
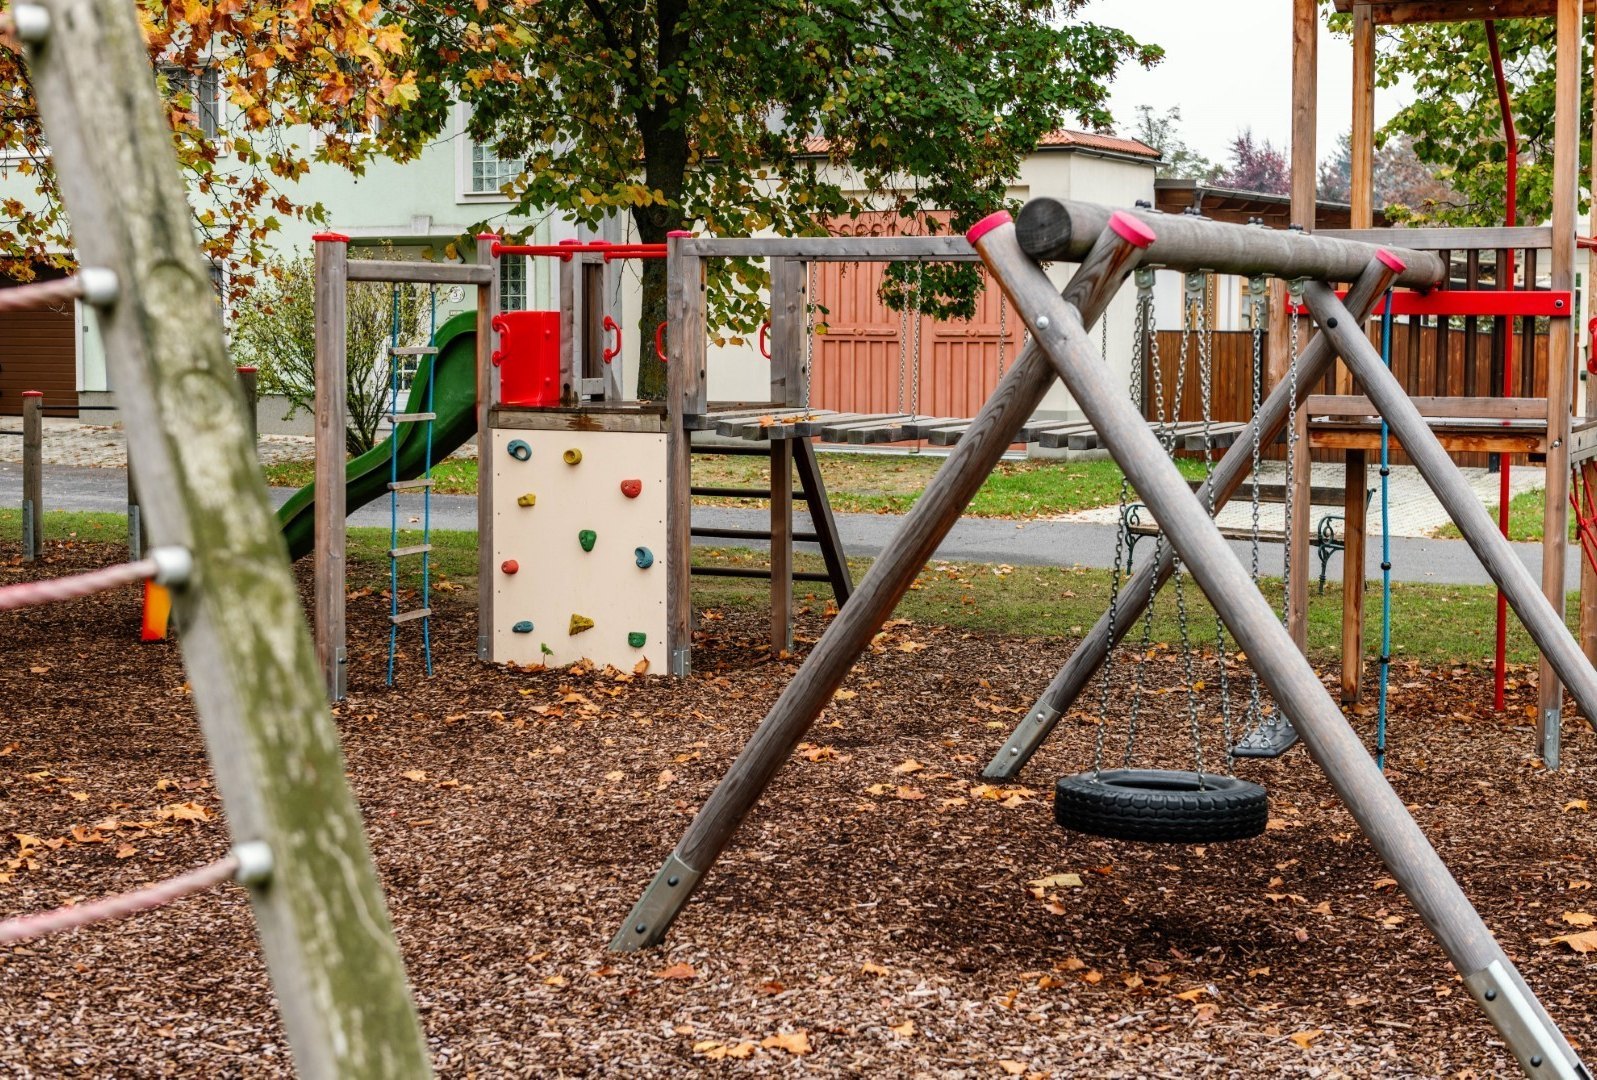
[614,351]
[659,344]
[501,326]
[765,339]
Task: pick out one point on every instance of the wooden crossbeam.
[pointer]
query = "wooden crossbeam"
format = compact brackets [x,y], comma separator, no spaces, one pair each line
[1409,12]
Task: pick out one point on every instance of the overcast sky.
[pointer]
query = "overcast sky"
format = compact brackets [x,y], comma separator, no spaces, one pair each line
[1228,65]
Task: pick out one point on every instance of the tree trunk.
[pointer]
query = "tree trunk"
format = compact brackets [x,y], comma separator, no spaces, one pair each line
[651,371]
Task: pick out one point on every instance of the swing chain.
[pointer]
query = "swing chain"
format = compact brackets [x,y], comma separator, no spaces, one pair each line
[1003,331]
[1258,301]
[903,343]
[1140,322]
[1206,387]
[1295,301]
[1144,281]
[1193,318]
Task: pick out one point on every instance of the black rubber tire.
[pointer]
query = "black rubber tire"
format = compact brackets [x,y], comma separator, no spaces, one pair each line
[1161,806]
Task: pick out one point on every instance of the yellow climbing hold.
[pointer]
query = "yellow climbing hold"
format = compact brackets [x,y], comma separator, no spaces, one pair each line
[579,623]
[572,456]
[529,499]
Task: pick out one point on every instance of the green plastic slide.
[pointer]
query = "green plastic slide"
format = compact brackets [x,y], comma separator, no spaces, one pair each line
[367,476]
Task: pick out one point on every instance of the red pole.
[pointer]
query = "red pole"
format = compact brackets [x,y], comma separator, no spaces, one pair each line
[1505,279]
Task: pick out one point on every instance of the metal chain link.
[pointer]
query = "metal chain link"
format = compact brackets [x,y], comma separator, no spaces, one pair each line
[1192,326]
[1206,385]
[1003,331]
[903,343]
[914,393]
[1140,323]
[1294,298]
[1258,298]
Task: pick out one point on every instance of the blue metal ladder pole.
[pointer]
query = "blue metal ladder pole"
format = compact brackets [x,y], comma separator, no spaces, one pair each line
[1386,550]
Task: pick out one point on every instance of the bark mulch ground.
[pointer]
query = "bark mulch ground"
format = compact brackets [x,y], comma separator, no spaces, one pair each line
[883,912]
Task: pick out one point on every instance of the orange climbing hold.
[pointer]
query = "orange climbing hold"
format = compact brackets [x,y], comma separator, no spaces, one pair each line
[157,612]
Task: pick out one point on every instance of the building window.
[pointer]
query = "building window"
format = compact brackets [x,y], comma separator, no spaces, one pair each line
[513,283]
[202,89]
[489,172]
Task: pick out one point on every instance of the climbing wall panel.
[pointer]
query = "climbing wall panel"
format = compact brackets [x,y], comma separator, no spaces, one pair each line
[579,547]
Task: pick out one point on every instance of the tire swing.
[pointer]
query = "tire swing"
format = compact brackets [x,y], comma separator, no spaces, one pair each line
[1162,806]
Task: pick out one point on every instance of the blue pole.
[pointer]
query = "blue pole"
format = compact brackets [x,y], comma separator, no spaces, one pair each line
[1386,550]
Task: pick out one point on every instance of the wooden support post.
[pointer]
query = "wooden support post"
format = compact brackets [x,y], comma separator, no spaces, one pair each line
[32,475]
[249,387]
[332,388]
[1542,617]
[1355,506]
[320,917]
[685,331]
[1136,594]
[1560,358]
[822,519]
[1012,402]
[1335,747]
[487,396]
[1297,544]
[135,516]
[781,545]
[789,302]
[572,327]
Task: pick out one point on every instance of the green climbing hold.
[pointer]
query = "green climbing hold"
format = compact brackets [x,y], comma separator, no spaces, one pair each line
[522,627]
[519,450]
[637,639]
[529,499]
[579,623]
[586,538]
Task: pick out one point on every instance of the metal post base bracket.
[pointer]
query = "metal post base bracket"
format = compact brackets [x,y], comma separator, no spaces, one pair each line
[1532,1039]
[1022,742]
[654,912]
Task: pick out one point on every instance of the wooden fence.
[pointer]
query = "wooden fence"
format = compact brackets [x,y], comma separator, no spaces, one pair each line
[1465,359]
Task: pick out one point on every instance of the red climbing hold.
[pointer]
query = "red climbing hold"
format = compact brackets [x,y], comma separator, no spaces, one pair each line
[631,488]
[510,566]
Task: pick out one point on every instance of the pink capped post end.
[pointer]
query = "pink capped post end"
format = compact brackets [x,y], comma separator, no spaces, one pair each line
[679,233]
[1133,231]
[987,225]
[1391,262]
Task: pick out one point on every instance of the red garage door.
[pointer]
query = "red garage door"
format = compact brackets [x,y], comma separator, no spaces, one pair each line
[857,359]
[38,351]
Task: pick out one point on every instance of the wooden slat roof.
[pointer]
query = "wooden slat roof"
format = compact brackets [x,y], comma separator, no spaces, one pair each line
[1394,12]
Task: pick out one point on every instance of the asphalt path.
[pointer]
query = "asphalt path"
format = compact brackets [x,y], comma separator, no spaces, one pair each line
[982,540]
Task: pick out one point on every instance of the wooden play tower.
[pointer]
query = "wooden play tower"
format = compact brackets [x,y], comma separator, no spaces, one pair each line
[1510,275]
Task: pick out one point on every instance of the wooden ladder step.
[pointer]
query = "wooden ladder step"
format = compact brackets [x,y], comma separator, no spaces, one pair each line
[411,616]
[409,417]
[414,549]
[409,485]
[412,350]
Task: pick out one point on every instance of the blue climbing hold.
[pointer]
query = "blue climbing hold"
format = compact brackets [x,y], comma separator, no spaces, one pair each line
[522,627]
[519,450]
[645,558]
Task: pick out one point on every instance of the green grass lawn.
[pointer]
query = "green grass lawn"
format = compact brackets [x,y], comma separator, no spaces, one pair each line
[1431,623]
[862,483]
[1524,518]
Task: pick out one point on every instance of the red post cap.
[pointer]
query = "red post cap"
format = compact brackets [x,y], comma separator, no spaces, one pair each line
[247,369]
[987,225]
[1391,262]
[1133,231]
[33,393]
[330,238]
[487,236]
[679,233]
